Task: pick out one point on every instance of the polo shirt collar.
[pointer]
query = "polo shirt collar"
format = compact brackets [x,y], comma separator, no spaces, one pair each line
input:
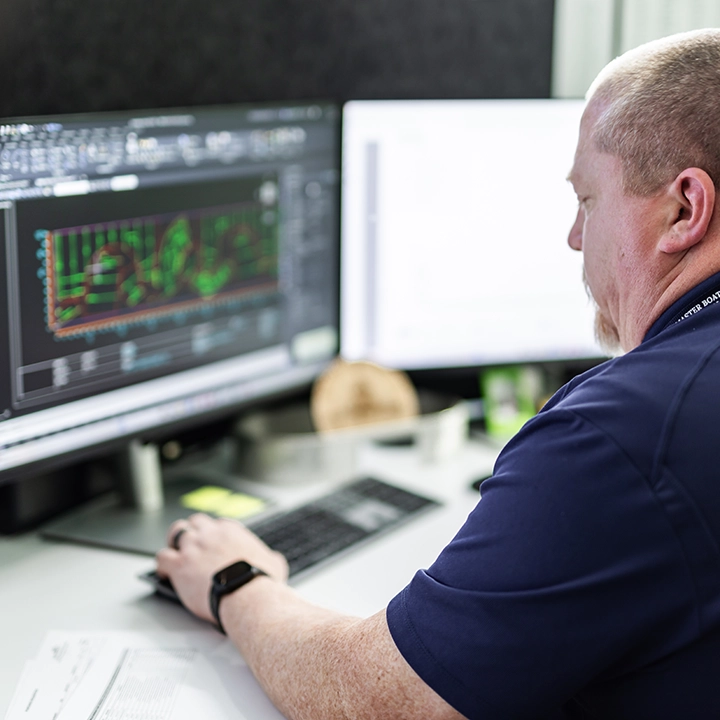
[696,300]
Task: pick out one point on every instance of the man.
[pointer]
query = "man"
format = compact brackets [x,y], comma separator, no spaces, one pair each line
[586,583]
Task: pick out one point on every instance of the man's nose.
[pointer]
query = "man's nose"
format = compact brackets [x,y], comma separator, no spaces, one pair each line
[575,235]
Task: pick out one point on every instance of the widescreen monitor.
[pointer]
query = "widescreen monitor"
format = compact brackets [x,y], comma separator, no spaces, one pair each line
[160,268]
[455,219]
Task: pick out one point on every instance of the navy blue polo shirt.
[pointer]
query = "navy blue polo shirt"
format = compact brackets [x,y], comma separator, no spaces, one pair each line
[586,582]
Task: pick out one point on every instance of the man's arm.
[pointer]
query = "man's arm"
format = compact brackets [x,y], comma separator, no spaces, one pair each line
[313,663]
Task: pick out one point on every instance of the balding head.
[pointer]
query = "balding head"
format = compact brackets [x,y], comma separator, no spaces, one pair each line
[658,110]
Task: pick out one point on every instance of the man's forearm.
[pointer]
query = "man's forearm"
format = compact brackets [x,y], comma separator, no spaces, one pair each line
[286,642]
[313,663]
[316,664]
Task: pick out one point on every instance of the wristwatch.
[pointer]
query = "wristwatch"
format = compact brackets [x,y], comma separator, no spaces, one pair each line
[228,580]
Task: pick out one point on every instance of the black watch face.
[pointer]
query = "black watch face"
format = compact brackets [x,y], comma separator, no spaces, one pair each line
[234,572]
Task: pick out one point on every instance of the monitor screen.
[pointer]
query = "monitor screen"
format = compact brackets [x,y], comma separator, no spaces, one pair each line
[455,220]
[159,268]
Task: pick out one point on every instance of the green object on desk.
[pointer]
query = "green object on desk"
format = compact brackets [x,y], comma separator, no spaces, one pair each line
[510,398]
[222,502]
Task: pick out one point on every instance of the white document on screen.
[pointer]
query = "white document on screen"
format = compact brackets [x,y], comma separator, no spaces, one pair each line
[455,220]
[159,676]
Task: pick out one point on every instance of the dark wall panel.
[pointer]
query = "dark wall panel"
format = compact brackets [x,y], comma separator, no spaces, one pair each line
[82,55]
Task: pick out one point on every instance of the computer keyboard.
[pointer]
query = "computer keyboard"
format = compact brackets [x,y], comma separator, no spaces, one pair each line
[309,534]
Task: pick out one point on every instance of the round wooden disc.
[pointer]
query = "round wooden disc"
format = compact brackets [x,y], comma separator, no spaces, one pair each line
[349,394]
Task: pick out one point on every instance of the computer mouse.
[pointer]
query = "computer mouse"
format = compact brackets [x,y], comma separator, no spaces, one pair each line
[163,586]
[475,484]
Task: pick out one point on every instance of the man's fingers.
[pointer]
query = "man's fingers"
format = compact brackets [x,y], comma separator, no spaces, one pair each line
[200,521]
[166,560]
[174,531]
[197,521]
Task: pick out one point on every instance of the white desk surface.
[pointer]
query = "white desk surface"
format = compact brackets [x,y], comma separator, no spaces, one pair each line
[47,585]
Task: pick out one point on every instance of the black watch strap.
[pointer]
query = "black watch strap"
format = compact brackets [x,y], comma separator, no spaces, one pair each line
[228,580]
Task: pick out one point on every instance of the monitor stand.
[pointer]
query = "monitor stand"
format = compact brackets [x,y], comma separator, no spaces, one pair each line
[137,516]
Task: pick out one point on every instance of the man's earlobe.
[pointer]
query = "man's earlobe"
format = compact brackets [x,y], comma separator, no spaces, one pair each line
[693,196]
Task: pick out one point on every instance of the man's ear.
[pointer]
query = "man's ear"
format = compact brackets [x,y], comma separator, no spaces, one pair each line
[692,194]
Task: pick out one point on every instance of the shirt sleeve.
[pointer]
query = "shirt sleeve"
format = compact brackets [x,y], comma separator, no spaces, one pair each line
[559,577]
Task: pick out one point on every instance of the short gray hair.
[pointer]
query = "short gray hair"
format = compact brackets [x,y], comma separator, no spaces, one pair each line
[660,110]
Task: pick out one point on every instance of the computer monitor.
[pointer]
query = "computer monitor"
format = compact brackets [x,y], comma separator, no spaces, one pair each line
[159,269]
[455,219]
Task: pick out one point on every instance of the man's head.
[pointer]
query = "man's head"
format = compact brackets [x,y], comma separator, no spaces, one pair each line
[661,105]
[645,171]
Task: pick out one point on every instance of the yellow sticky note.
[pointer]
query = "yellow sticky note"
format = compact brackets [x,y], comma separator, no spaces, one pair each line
[222,502]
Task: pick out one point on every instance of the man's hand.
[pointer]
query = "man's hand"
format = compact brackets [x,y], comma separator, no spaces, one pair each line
[200,546]
[312,662]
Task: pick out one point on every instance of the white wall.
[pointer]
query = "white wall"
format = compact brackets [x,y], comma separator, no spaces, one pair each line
[589,33]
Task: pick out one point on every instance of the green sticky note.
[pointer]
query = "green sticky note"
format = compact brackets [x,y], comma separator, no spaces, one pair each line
[222,502]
